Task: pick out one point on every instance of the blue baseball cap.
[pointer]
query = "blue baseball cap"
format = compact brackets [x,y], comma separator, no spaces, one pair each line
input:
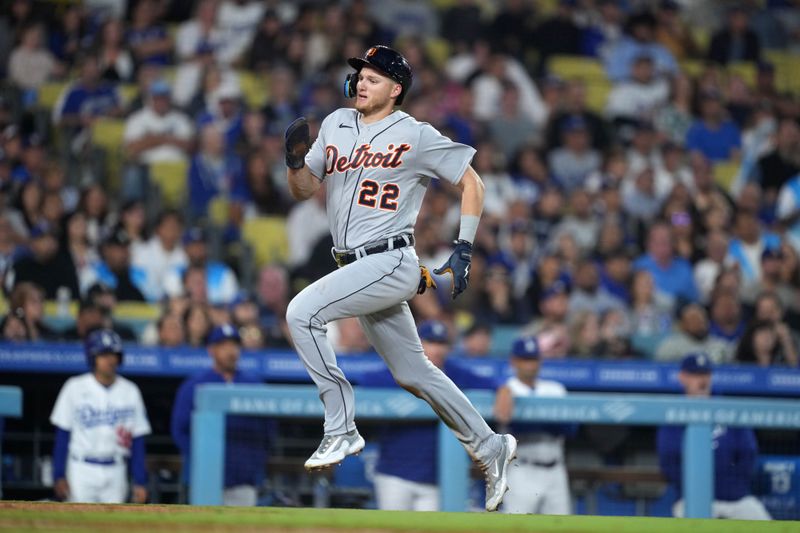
[696,363]
[159,87]
[195,234]
[224,333]
[526,348]
[102,341]
[559,286]
[433,331]
[573,123]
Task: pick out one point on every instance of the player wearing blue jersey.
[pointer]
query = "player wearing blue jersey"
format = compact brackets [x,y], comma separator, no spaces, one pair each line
[735,453]
[101,423]
[246,437]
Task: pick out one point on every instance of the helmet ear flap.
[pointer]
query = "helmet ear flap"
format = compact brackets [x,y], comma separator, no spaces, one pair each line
[350,82]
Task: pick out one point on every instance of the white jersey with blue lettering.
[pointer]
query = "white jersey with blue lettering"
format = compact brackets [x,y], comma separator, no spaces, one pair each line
[102,421]
[376,174]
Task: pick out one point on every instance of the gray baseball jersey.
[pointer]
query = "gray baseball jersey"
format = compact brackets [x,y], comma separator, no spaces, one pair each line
[376,176]
[377,173]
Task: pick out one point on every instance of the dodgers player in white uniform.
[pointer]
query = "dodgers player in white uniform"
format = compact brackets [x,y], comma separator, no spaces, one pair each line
[538,482]
[101,423]
[377,163]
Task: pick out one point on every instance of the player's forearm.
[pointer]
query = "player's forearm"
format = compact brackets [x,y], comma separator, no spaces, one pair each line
[302,183]
[60,454]
[138,468]
[472,192]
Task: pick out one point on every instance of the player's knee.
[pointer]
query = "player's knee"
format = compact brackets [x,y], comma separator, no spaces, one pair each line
[300,318]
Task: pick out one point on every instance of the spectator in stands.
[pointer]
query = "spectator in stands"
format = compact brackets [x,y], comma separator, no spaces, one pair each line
[530,175]
[639,40]
[589,295]
[510,129]
[116,270]
[244,313]
[75,245]
[133,220]
[558,34]
[246,437]
[788,210]
[238,21]
[147,38]
[497,304]
[746,247]
[708,269]
[68,35]
[54,181]
[225,110]
[575,104]
[8,244]
[673,32]
[197,323]
[269,43]
[714,134]
[539,484]
[768,308]
[736,42]
[726,318]
[581,224]
[638,97]
[604,29]
[554,308]
[155,134]
[34,160]
[735,451]
[171,331]
[45,266]
[651,314]
[584,334]
[406,471]
[26,210]
[282,106]
[760,345]
[675,118]
[780,165]
[776,279]
[162,253]
[640,198]
[572,162]
[214,171]
[693,335]
[83,102]
[31,64]
[104,296]
[91,316]
[13,329]
[115,60]
[198,45]
[26,302]
[672,275]
[476,341]
[265,198]
[272,296]
[223,287]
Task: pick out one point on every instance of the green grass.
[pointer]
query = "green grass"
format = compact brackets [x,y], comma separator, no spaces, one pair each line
[23,517]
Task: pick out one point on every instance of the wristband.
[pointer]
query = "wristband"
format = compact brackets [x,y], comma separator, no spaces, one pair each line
[469,227]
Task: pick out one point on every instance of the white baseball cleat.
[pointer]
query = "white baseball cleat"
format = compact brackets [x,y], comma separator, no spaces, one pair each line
[333,449]
[496,472]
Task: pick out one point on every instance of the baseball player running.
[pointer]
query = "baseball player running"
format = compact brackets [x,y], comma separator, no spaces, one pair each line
[101,423]
[539,480]
[377,163]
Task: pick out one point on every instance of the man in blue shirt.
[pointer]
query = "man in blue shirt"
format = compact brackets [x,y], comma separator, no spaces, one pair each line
[735,452]
[406,473]
[714,134]
[246,437]
[672,275]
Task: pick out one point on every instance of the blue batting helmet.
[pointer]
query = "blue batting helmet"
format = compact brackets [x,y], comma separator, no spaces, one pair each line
[101,341]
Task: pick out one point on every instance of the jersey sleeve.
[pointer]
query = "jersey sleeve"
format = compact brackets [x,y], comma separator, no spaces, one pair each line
[141,425]
[61,417]
[441,158]
[315,158]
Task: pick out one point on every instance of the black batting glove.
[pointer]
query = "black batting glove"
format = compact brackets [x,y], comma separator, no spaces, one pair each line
[298,143]
[458,265]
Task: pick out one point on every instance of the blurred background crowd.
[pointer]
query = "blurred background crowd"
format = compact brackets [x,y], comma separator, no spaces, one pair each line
[641,161]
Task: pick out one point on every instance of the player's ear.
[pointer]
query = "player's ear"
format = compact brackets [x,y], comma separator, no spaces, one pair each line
[396,90]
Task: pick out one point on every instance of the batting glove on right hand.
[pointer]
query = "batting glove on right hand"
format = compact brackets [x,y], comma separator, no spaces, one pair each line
[458,265]
[297,143]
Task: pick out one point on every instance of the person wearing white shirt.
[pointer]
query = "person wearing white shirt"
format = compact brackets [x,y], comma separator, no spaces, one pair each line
[161,254]
[539,482]
[639,97]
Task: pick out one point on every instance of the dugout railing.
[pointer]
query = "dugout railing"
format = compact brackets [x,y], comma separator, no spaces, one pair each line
[699,415]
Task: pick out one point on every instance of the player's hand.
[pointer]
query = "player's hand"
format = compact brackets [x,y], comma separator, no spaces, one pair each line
[61,488]
[139,494]
[458,265]
[503,406]
[298,142]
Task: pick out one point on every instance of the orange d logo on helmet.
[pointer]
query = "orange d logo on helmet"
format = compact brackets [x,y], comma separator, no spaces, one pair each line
[371,51]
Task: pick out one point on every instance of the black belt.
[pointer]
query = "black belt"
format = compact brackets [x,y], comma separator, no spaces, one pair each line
[538,464]
[393,243]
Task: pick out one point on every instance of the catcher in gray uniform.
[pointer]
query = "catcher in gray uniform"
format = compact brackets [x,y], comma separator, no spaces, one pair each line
[377,163]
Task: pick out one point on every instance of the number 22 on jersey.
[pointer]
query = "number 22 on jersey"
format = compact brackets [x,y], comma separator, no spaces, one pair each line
[373,195]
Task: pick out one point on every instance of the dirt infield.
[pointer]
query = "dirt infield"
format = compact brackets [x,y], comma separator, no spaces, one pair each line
[23,517]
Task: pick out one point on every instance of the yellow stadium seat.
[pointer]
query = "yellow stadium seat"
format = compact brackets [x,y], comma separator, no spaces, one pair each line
[128,91]
[254,89]
[49,93]
[725,173]
[573,67]
[171,177]
[218,210]
[107,134]
[267,236]
[692,67]
[787,67]
[130,311]
[438,51]
[597,95]
[745,70]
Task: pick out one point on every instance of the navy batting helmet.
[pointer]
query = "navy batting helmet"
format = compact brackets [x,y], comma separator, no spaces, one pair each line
[101,341]
[389,61]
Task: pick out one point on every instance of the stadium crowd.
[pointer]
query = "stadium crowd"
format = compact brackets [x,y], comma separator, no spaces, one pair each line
[658,219]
